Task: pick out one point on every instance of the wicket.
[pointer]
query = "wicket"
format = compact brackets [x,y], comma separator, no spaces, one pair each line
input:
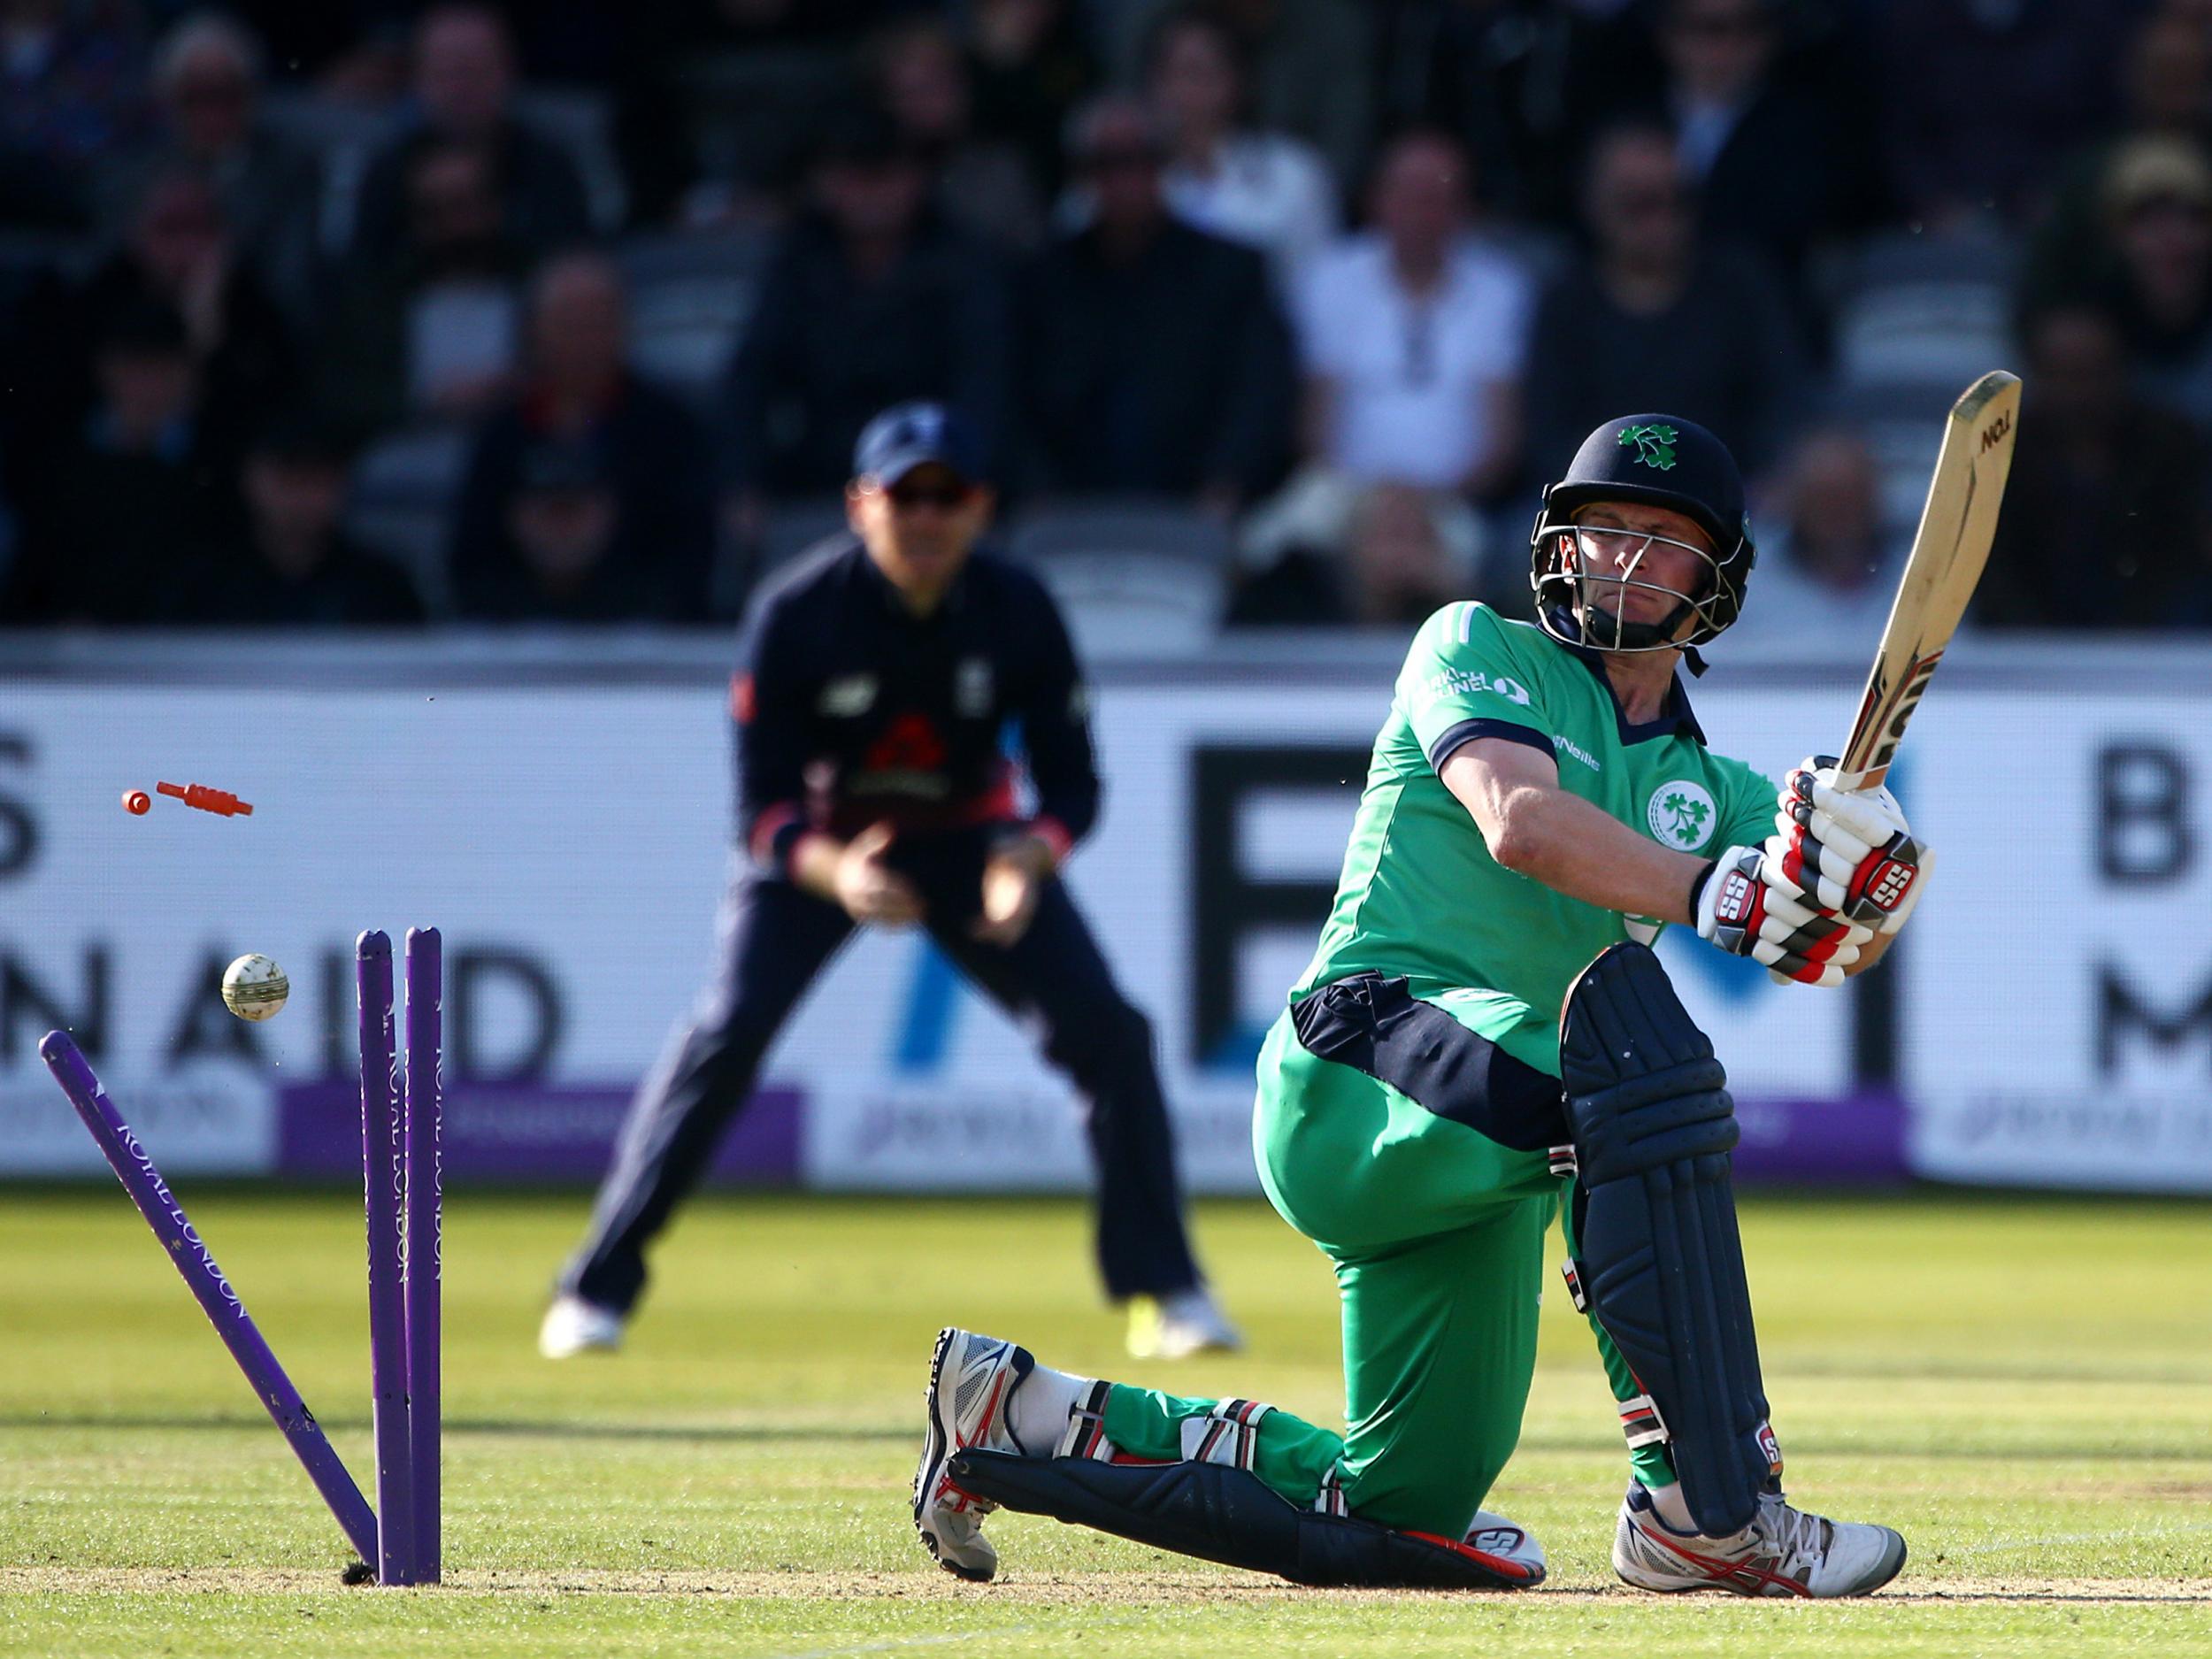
[403,1195]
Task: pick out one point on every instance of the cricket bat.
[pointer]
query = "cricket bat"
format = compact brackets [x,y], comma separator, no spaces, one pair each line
[1946,559]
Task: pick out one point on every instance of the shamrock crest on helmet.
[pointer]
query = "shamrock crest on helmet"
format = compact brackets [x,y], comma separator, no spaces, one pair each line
[1653,445]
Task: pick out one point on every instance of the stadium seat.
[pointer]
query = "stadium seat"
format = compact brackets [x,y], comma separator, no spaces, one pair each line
[1137,577]
[580,122]
[691,295]
[1926,310]
[404,490]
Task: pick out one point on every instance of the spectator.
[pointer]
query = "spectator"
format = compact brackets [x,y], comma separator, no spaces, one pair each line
[585,439]
[117,530]
[1411,336]
[1365,555]
[72,93]
[1031,66]
[1311,69]
[1653,321]
[1828,569]
[464,83]
[1983,96]
[1262,189]
[2104,521]
[1153,355]
[1514,81]
[869,301]
[286,562]
[2166,82]
[983,185]
[179,255]
[428,331]
[1758,154]
[2157,201]
[207,81]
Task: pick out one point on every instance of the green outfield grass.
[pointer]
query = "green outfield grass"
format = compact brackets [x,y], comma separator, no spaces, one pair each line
[2025,1388]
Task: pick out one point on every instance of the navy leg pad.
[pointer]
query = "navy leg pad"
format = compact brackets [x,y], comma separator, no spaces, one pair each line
[1218,1513]
[1661,1259]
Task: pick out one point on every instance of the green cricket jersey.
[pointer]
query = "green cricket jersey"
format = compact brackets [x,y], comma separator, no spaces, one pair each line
[1421,896]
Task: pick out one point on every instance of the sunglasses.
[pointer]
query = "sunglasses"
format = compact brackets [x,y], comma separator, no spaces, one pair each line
[945,498]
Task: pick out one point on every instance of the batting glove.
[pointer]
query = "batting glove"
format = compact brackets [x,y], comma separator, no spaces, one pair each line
[1744,911]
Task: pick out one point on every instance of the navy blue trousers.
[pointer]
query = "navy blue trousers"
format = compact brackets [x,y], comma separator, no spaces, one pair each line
[773,938]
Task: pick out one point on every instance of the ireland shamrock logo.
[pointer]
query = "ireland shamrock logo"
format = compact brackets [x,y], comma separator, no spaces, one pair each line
[1681,814]
[1653,445]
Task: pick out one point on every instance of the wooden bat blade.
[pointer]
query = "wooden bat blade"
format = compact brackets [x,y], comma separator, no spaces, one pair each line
[1949,552]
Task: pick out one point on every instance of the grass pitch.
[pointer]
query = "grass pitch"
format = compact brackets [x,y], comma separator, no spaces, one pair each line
[2023,1388]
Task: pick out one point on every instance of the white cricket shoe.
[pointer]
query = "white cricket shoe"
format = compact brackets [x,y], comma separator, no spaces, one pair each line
[1495,1535]
[573,1326]
[1179,1324]
[1783,1552]
[971,1378]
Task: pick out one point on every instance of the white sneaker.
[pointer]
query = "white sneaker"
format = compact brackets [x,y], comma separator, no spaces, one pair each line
[971,1378]
[1783,1552]
[1494,1535]
[573,1326]
[1178,1325]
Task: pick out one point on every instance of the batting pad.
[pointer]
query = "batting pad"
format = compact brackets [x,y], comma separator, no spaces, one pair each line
[1224,1514]
[1661,1262]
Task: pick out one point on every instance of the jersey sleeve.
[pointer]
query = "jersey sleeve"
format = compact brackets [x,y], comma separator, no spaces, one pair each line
[1055,714]
[1463,679]
[768,706]
[1749,806]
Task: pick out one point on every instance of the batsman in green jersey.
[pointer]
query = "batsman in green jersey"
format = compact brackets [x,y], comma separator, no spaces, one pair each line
[1482,1042]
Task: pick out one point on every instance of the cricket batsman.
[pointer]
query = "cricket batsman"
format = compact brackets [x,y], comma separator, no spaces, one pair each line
[1483,1039]
[885,673]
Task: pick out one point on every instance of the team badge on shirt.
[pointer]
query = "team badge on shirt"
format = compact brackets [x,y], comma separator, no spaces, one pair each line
[1680,814]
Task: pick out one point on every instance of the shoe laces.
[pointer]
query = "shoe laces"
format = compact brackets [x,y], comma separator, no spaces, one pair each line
[1794,1535]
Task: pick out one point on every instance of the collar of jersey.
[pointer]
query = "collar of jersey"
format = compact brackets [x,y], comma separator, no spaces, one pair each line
[870,573]
[1676,719]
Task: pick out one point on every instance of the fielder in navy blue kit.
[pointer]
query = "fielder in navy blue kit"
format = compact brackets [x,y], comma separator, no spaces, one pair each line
[874,789]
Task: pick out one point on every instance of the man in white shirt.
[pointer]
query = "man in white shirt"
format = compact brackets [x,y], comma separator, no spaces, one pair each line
[1411,335]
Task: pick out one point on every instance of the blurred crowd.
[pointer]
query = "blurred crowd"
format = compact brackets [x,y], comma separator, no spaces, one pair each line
[366,314]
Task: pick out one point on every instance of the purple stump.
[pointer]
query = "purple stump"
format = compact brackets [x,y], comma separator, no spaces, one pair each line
[383,1112]
[224,1309]
[425,1233]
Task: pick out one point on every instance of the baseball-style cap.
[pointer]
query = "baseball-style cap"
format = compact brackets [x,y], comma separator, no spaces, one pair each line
[907,435]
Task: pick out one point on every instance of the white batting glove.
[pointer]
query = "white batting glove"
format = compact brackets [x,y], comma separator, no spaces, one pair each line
[1741,909]
[1848,852]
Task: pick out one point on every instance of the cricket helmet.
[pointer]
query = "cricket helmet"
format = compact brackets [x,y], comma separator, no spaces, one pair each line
[1657,461]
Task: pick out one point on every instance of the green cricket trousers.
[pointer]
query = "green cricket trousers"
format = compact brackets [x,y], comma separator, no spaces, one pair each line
[1436,1232]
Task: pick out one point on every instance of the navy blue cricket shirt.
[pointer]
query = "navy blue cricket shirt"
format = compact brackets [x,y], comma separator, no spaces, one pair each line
[852,711]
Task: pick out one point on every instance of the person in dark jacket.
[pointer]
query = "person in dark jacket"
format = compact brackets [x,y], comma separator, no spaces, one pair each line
[874,791]
[287,562]
[1153,357]
[588,444]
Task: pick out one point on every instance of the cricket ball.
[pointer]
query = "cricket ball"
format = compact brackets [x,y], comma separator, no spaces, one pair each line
[255,987]
[137,802]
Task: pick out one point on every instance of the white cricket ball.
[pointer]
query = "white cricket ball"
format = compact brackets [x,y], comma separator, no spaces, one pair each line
[255,987]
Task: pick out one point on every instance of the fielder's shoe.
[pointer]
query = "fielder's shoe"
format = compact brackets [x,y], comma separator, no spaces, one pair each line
[573,1326]
[1494,1535]
[1178,1325]
[971,1379]
[1783,1552]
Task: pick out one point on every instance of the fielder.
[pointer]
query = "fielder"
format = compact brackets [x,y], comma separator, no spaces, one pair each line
[1483,1040]
[884,672]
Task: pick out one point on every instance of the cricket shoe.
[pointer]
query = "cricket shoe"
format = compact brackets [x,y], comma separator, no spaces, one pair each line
[971,1379]
[1178,1325]
[572,1326]
[1783,1552]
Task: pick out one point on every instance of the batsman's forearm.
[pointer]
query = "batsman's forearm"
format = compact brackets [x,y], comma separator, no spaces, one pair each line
[1576,848]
